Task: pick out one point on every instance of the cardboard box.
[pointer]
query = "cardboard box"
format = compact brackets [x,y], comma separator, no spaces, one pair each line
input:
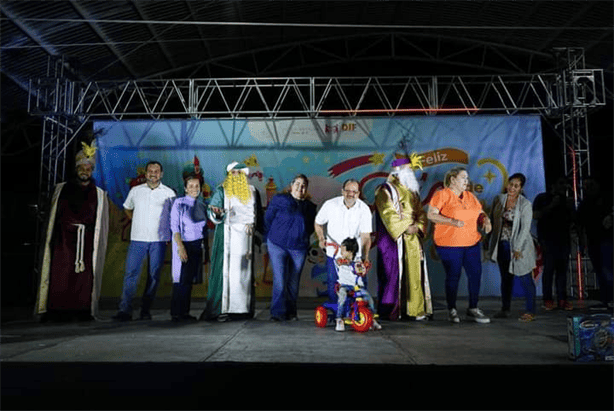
[590,337]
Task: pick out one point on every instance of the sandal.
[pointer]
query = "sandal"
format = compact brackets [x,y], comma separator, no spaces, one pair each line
[527,317]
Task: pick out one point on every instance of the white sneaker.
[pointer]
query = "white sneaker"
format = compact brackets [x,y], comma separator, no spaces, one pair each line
[376,326]
[477,315]
[340,325]
[453,316]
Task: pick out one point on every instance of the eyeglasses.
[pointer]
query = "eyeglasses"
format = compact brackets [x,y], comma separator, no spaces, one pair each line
[351,191]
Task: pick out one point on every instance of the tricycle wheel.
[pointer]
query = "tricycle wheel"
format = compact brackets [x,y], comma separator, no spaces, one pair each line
[321,317]
[362,319]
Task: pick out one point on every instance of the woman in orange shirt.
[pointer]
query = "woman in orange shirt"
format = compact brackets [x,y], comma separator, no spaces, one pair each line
[457,213]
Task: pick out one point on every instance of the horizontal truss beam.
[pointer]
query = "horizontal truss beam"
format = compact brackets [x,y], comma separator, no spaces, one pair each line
[317,96]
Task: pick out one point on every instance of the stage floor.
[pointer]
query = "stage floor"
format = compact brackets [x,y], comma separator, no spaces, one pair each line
[255,357]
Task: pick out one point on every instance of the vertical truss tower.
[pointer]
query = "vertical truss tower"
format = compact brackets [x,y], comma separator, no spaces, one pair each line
[579,91]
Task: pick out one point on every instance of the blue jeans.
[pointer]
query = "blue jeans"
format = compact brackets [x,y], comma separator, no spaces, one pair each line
[342,297]
[507,280]
[331,280]
[287,266]
[454,259]
[134,260]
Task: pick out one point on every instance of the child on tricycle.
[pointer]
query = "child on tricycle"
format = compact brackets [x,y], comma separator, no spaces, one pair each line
[350,283]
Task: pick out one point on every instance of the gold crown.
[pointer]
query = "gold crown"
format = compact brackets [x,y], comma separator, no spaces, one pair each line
[416,161]
[89,151]
[86,155]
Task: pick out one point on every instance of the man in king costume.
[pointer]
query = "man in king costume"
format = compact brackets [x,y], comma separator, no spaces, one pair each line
[75,246]
[403,286]
[236,210]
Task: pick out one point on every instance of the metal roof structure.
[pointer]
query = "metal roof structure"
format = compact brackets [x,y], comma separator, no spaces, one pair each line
[151,58]
[136,40]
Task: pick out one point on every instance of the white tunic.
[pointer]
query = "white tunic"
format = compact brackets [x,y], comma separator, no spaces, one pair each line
[238,237]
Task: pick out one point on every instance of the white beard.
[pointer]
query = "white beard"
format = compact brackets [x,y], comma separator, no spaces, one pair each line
[408,179]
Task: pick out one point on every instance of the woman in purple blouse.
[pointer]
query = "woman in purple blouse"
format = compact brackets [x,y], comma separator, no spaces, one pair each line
[187,249]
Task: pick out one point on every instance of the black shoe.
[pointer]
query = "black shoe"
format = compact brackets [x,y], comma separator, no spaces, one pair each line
[175,318]
[502,314]
[84,316]
[275,319]
[188,317]
[240,316]
[145,316]
[122,316]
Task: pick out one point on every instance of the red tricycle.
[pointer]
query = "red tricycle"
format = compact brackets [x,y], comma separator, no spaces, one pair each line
[356,309]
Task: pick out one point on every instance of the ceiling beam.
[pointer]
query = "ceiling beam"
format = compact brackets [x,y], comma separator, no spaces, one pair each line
[547,43]
[27,29]
[155,35]
[244,38]
[525,18]
[203,38]
[404,37]
[90,19]
[37,38]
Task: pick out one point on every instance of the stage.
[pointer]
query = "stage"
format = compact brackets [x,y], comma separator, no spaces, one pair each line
[257,364]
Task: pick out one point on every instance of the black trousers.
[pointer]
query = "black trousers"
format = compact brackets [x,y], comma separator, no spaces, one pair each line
[182,291]
[556,260]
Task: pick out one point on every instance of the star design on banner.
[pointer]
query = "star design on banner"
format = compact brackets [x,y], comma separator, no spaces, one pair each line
[377,158]
[251,161]
[489,176]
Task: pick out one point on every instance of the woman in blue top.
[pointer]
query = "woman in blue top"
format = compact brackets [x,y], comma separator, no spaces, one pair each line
[289,221]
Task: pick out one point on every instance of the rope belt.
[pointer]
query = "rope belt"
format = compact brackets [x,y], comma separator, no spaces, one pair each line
[79,264]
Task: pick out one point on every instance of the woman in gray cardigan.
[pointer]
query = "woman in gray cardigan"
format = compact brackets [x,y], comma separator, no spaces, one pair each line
[511,245]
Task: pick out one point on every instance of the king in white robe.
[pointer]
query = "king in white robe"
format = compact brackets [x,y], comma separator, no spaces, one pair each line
[231,279]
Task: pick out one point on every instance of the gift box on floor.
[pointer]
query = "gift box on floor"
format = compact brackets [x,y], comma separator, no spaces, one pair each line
[590,337]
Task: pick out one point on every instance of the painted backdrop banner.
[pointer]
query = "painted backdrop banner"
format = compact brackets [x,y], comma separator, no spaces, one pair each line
[328,151]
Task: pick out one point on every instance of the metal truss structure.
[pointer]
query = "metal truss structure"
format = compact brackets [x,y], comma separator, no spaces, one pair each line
[578,92]
[67,105]
[564,97]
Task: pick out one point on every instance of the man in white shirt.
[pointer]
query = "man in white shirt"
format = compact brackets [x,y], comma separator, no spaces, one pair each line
[148,205]
[345,216]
